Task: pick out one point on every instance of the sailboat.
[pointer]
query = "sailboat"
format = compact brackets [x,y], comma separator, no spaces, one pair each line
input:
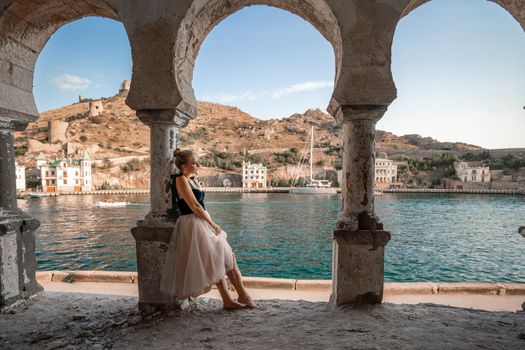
[313,186]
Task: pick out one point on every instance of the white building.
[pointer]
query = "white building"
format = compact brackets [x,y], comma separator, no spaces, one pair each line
[466,173]
[386,173]
[66,174]
[253,175]
[20,177]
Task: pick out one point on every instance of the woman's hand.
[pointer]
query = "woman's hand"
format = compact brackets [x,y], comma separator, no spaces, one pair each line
[217,229]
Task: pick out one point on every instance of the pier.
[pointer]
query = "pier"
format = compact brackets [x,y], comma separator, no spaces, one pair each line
[274,190]
[445,190]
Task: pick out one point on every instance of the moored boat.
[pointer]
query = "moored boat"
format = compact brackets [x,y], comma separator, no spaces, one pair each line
[313,190]
[313,186]
[112,204]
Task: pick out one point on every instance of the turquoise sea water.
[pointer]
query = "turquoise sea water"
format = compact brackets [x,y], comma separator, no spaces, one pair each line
[438,237]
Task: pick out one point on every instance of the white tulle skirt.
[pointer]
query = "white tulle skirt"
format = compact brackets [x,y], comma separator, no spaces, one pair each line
[196,258]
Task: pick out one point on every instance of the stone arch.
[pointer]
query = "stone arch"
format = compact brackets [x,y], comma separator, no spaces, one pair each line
[204,15]
[515,7]
[25,28]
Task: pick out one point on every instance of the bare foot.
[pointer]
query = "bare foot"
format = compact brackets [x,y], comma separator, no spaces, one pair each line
[232,305]
[248,302]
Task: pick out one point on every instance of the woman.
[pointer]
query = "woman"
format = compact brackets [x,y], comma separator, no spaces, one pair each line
[199,255]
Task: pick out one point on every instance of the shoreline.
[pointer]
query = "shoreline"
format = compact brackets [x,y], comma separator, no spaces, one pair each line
[390,288]
[86,315]
[270,190]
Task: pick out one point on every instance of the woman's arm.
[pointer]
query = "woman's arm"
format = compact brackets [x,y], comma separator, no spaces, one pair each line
[186,193]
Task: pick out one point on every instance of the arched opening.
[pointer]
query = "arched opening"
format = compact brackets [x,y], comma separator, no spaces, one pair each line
[249,62]
[26,27]
[79,144]
[203,16]
[458,67]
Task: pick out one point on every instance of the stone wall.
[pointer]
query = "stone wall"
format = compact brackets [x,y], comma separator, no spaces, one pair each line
[217,180]
[56,131]
[124,88]
[35,146]
[119,179]
[95,108]
[74,149]
[494,185]
[504,185]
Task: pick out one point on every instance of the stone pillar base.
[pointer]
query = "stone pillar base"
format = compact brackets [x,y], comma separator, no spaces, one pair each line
[17,258]
[358,266]
[152,246]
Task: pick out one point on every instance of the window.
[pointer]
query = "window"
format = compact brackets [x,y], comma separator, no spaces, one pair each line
[64,173]
[52,172]
[65,181]
[76,173]
[76,181]
[47,173]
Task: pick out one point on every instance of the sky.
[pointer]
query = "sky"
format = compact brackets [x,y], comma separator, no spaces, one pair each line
[458,66]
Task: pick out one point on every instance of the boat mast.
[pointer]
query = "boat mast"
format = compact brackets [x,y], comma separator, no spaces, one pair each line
[311,156]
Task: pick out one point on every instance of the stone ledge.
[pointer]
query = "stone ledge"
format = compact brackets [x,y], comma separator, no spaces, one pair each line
[313,285]
[410,288]
[512,288]
[268,283]
[469,288]
[87,276]
[375,238]
[156,234]
[396,288]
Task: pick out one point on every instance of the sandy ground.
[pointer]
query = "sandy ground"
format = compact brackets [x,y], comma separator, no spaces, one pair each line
[69,320]
[480,302]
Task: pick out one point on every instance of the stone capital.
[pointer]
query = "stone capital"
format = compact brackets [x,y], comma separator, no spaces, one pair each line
[17,221]
[14,122]
[7,125]
[353,113]
[374,238]
[157,234]
[10,125]
[168,117]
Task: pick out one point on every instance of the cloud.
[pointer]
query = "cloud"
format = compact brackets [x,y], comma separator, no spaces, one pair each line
[300,87]
[275,94]
[228,98]
[67,82]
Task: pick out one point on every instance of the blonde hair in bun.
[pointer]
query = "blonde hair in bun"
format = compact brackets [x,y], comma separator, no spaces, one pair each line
[182,157]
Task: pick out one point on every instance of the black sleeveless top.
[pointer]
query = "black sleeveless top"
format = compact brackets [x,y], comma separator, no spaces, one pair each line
[184,208]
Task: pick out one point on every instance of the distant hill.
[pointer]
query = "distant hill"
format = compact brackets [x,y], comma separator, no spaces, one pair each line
[117,134]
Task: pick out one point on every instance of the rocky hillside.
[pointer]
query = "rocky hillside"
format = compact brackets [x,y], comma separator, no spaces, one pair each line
[120,142]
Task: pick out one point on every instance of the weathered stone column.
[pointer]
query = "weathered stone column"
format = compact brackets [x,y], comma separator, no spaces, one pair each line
[359,238]
[153,234]
[17,241]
